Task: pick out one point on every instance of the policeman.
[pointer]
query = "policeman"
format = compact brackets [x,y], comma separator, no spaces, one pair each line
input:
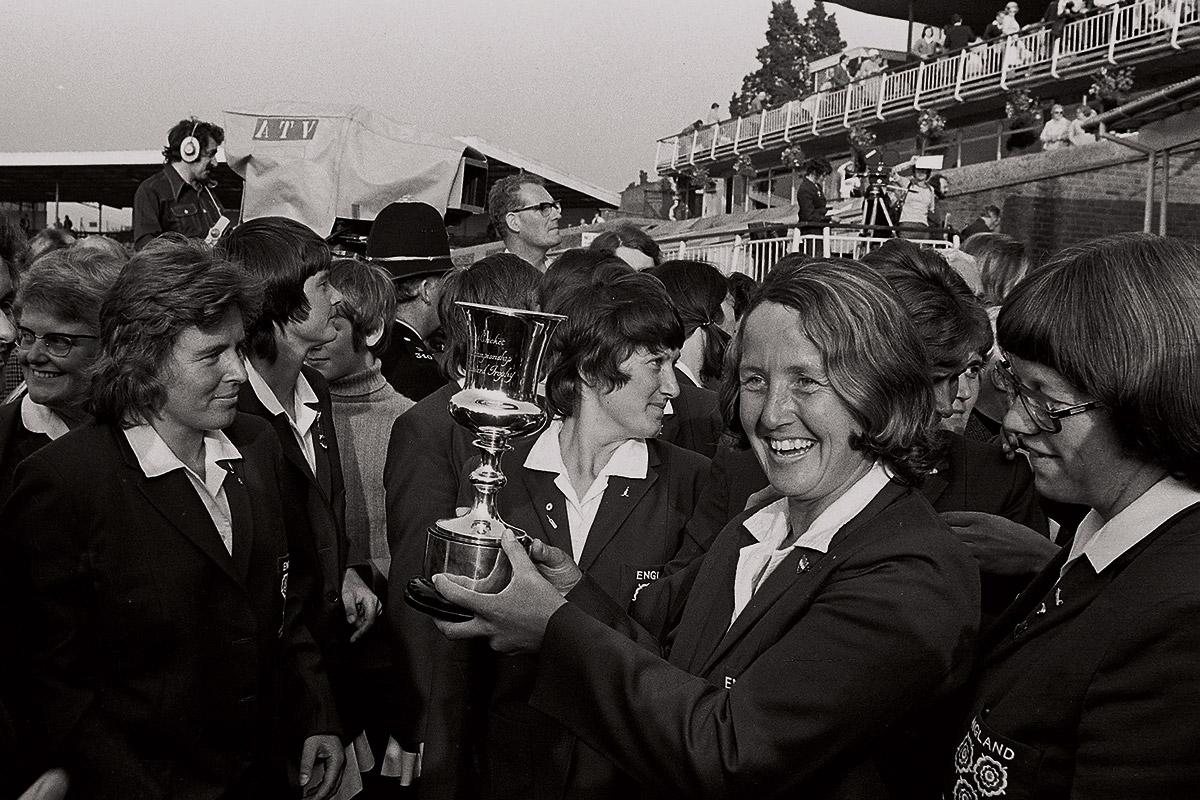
[409,240]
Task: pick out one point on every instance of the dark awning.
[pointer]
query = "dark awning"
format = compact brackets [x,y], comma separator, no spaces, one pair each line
[937,12]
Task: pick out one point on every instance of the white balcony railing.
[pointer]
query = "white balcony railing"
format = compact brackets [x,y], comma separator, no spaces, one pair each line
[1124,30]
[755,257]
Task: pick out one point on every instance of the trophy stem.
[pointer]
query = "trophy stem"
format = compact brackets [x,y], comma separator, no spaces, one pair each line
[488,479]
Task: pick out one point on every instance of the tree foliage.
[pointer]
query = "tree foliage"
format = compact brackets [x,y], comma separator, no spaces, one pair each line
[791,44]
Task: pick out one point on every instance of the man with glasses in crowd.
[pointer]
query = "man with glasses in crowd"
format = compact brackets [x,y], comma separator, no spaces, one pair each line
[526,217]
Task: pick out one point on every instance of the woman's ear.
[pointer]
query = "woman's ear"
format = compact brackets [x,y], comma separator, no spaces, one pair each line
[374,336]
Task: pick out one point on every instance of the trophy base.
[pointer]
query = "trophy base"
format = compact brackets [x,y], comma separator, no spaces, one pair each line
[421,595]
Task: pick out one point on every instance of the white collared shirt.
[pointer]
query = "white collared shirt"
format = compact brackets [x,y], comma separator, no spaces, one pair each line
[771,525]
[304,400]
[1104,542]
[38,418]
[630,460]
[682,367]
[156,458]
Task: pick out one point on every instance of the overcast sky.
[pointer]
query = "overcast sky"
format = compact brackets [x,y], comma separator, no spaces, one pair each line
[585,87]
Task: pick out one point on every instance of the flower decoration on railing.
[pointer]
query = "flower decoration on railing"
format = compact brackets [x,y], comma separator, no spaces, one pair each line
[1112,86]
[744,167]
[930,125]
[1021,106]
[862,138]
[793,156]
[699,179]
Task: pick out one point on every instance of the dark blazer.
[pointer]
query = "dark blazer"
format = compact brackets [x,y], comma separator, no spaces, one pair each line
[1091,688]
[425,457]
[814,209]
[315,508]
[973,476]
[829,684]
[16,442]
[163,666]
[695,423]
[638,529]
[409,365]
[978,226]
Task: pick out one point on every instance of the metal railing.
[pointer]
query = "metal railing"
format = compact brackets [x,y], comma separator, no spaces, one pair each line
[755,257]
[1082,46]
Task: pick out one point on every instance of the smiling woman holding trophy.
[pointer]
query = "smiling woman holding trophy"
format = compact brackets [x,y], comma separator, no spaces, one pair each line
[595,483]
[816,648]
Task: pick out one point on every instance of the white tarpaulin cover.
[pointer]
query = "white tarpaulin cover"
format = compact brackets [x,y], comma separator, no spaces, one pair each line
[313,162]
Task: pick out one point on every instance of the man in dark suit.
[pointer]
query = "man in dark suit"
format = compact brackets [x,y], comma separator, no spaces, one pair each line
[988,221]
[409,240]
[814,210]
[167,648]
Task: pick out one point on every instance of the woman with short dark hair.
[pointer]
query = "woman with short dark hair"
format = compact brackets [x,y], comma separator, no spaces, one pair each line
[817,648]
[1089,679]
[166,652]
[598,484]
[702,298]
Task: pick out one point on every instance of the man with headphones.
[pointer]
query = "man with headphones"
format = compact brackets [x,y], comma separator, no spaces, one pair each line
[180,198]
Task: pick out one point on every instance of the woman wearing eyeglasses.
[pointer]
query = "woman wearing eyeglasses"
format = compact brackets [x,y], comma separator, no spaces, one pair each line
[1089,684]
[56,310]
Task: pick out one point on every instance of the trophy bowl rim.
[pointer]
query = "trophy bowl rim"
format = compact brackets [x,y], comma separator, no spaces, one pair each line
[511,312]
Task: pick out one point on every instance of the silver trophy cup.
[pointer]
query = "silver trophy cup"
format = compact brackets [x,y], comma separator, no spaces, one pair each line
[498,403]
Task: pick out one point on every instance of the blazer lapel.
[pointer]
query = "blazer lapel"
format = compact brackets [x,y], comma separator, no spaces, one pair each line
[241,517]
[548,507]
[798,576]
[621,496]
[173,496]
[320,437]
[710,603]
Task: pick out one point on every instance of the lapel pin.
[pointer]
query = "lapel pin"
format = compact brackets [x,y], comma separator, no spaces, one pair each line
[549,506]
[553,524]
[1041,609]
[802,566]
[320,432]
[1058,601]
[626,492]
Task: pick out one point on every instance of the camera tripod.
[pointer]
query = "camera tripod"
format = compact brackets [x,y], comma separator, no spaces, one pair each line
[875,209]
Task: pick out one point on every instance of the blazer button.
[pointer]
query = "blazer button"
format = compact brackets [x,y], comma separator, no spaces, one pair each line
[1021,628]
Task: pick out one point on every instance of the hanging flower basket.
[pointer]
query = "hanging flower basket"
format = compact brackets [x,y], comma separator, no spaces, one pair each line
[862,138]
[744,167]
[793,156]
[1023,112]
[699,179]
[1111,87]
[930,125]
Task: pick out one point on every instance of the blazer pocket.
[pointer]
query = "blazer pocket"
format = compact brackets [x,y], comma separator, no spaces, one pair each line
[634,578]
[987,764]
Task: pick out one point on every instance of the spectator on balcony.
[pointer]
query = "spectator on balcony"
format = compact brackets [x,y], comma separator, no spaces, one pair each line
[1008,23]
[759,103]
[995,28]
[956,34]
[810,194]
[1056,133]
[841,77]
[1078,135]
[714,114]
[927,46]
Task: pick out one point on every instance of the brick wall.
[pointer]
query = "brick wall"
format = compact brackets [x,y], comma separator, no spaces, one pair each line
[1067,197]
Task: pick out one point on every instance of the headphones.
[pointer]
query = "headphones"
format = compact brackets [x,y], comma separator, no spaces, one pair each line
[189,148]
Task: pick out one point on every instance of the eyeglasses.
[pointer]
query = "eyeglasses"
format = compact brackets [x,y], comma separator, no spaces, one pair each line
[56,344]
[1038,405]
[542,208]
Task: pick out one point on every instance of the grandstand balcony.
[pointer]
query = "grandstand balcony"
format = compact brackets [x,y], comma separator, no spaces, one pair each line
[1131,33]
